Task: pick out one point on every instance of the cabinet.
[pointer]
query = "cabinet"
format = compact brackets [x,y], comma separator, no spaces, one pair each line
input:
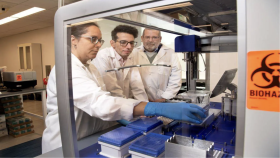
[30,59]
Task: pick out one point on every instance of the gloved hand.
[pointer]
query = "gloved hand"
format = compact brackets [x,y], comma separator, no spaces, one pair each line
[175,111]
[123,122]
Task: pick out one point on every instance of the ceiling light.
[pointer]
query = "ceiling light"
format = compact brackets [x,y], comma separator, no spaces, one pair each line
[27,12]
[168,7]
[226,31]
[203,25]
[6,20]
[21,14]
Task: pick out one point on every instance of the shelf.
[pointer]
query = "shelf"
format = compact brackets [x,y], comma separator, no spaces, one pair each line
[12,100]
[15,116]
[21,129]
[13,110]
[22,134]
[19,124]
[12,105]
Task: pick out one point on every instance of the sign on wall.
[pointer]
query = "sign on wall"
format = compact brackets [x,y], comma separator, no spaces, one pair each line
[263,80]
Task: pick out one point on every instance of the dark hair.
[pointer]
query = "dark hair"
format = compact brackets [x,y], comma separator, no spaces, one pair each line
[78,30]
[125,29]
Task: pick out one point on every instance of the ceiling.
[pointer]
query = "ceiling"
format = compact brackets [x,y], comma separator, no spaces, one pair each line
[32,22]
[202,12]
[220,15]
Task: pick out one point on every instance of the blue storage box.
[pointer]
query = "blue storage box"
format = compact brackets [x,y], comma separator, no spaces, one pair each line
[120,136]
[145,124]
[152,144]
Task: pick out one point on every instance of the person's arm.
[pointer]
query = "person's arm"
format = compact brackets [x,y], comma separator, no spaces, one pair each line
[139,109]
[175,79]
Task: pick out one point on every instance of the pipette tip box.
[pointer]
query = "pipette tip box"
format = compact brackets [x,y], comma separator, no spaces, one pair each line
[145,124]
[116,142]
[151,145]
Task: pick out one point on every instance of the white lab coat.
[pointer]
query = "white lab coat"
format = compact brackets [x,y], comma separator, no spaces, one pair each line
[160,82]
[94,108]
[129,82]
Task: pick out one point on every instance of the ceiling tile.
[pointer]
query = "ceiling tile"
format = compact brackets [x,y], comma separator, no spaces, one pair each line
[25,29]
[20,8]
[6,14]
[53,9]
[41,16]
[17,24]
[41,3]
[14,1]
[7,5]
[70,1]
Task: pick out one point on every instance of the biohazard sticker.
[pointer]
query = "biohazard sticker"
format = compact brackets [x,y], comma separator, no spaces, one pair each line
[19,78]
[263,80]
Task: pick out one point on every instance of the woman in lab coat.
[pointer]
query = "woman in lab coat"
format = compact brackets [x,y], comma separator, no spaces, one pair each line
[94,108]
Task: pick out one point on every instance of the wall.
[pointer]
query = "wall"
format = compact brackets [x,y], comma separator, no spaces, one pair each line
[9,53]
[219,62]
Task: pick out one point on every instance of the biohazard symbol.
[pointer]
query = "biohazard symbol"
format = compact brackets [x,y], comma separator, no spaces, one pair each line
[273,69]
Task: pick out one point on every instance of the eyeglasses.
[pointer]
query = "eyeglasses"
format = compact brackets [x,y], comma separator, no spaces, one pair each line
[153,37]
[125,43]
[94,39]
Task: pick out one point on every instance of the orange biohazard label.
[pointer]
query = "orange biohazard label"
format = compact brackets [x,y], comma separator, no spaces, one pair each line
[263,80]
[19,78]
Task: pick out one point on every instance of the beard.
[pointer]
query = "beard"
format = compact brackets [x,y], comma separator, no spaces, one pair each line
[151,46]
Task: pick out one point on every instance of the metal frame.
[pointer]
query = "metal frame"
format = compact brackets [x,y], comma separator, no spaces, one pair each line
[241,92]
[73,13]
[88,10]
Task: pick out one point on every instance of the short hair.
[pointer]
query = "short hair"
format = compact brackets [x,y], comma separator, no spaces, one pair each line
[150,29]
[124,29]
[78,30]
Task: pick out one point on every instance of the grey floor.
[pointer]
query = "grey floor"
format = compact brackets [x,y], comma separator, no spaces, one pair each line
[39,125]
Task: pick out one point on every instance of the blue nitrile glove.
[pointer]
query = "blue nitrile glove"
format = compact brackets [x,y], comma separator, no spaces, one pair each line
[123,122]
[175,111]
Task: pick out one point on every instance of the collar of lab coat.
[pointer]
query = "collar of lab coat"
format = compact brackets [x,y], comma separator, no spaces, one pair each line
[92,71]
[163,50]
[128,62]
[77,61]
[113,55]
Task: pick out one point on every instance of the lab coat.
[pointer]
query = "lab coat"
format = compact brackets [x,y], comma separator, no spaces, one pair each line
[94,108]
[160,82]
[129,82]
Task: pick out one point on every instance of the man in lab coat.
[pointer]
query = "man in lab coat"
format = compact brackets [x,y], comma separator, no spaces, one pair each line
[126,82]
[160,82]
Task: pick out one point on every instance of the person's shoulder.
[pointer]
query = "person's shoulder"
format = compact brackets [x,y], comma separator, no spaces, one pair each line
[103,53]
[137,50]
[164,47]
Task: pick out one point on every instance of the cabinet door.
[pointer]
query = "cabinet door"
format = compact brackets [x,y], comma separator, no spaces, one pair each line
[21,58]
[28,58]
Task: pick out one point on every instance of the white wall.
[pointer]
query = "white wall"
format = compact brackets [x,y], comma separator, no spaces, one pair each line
[9,53]
[219,62]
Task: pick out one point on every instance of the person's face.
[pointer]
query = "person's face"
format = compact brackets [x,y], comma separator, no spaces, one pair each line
[151,39]
[83,47]
[123,50]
